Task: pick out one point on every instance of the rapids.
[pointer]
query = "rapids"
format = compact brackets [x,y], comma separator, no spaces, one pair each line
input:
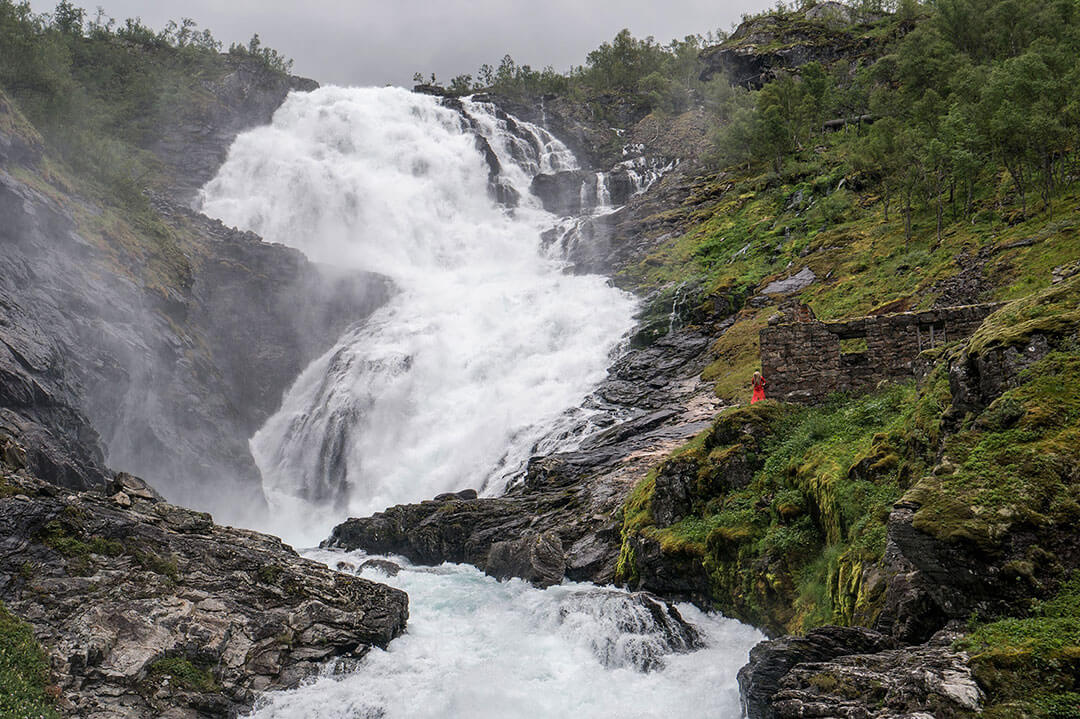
[477,648]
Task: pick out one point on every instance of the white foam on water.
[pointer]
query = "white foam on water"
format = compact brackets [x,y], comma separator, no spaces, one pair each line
[479,648]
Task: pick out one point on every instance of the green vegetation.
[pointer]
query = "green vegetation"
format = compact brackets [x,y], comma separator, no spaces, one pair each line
[1043,649]
[644,72]
[789,504]
[99,90]
[185,674]
[24,672]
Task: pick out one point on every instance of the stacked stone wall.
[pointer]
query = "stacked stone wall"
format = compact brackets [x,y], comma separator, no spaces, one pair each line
[807,361]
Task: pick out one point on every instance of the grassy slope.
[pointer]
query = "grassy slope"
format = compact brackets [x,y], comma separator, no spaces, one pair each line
[24,672]
[791,550]
[753,230]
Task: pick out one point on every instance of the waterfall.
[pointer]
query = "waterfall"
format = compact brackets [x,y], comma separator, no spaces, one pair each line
[487,345]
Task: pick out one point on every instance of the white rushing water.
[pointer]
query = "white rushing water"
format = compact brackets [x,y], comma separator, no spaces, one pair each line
[478,648]
[482,357]
[485,348]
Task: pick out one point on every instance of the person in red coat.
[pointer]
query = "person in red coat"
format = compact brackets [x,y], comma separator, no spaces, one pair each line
[759,388]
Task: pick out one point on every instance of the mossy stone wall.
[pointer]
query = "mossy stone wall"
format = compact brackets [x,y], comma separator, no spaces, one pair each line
[804,362]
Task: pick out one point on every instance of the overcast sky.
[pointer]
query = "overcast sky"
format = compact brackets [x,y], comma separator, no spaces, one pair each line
[375,42]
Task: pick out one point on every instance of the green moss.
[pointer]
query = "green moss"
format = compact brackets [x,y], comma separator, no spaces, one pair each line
[165,566]
[269,573]
[1032,663]
[184,673]
[1013,465]
[1052,311]
[24,671]
[789,509]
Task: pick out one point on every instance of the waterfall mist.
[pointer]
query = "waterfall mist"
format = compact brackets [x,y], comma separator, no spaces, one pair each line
[486,348]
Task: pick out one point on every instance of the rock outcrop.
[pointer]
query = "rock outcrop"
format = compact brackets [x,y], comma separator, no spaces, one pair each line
[851,672]
[147,609]
[562,519]
[763,46]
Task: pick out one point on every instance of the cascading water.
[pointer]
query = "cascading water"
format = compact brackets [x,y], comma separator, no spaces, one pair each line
[482,357]
[486,345]
[478,648]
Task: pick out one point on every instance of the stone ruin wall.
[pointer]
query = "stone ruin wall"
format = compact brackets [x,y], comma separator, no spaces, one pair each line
[807,361]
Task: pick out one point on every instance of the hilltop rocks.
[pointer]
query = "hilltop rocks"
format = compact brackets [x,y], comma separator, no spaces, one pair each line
[147,609]
[763,46]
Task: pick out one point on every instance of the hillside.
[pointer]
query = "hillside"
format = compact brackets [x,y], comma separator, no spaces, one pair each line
[916,541]
[891,163]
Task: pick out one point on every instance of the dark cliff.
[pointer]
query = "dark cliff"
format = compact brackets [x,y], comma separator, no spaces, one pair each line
[149,338]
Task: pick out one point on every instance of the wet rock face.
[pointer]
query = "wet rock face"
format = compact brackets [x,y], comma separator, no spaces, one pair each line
[193,145]
[636,629]
[538,559]
[38,248]
[147,609]
[560,193]
[856,673]
[99,364]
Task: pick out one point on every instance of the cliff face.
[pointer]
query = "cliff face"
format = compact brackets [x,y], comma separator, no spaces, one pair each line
[152,339]
[145,337]
[148,609]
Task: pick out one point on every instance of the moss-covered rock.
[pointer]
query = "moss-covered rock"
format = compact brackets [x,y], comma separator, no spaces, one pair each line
[25,689]
[781,507]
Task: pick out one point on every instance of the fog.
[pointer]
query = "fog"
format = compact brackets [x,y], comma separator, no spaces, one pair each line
[376,43]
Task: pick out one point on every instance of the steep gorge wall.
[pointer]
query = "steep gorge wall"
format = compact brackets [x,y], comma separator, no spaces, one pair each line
[155,341]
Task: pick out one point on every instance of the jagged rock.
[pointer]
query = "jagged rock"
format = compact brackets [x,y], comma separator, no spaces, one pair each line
[828,674]
[676,575]
[536,558]
[771,661]
[560,193]
[133,487]
[646,629]
[673,497]
[123,597]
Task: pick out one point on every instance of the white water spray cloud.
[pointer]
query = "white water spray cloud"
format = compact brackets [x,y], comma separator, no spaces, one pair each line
[487,343]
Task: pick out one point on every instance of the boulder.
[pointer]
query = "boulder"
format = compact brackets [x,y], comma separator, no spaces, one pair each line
[536,558]
[147,609]
[855,674]
[771,661]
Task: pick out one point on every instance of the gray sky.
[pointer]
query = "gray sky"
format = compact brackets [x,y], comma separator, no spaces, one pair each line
[373,42]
